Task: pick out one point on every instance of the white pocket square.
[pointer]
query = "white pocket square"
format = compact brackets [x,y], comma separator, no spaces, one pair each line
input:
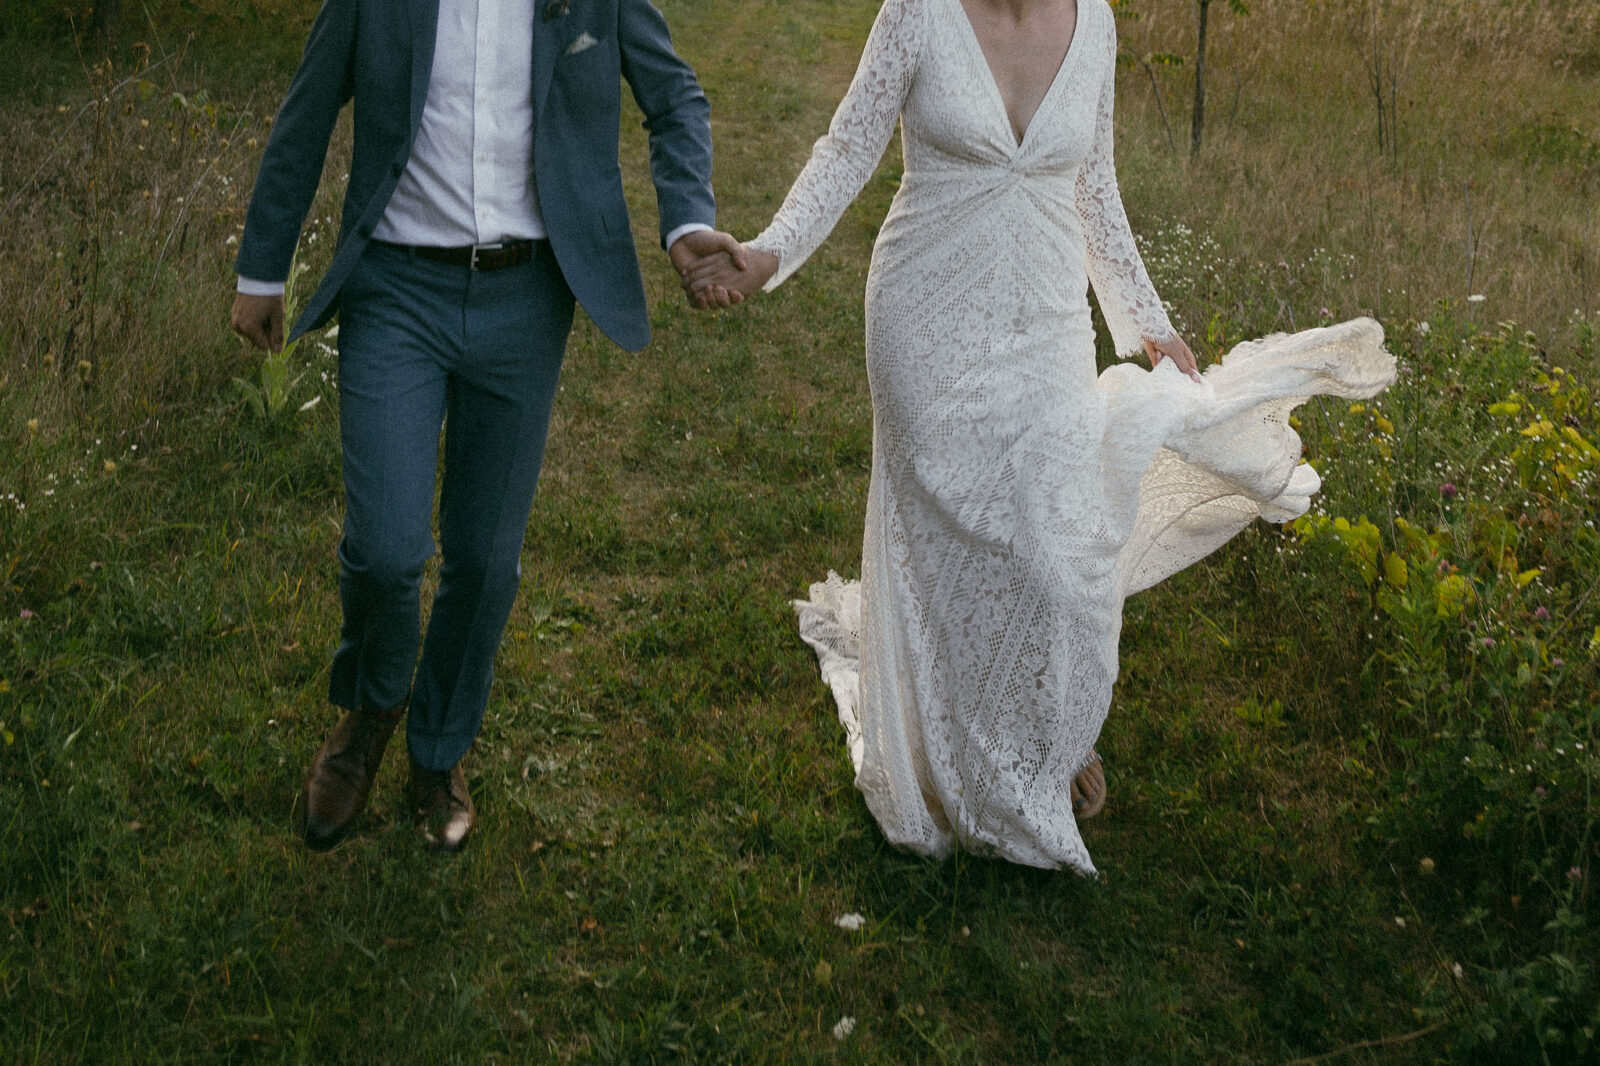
[583,43]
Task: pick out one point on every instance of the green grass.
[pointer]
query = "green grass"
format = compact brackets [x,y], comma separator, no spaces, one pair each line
[668,829]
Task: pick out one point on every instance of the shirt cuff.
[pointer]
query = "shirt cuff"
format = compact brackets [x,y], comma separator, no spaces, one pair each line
[252,287]
[687,227]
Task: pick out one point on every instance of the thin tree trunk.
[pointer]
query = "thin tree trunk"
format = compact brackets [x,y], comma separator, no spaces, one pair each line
[1199,83]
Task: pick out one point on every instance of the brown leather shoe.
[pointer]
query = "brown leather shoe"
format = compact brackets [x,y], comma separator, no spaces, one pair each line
[341,775]
[442,806]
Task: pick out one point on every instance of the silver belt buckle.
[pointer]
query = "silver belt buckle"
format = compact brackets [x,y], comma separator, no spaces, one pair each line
[476,248]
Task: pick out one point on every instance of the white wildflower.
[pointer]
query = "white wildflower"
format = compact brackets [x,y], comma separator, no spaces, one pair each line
[844,1027]
[850,922]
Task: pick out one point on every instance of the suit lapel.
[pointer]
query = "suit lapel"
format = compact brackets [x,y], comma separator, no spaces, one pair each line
[424,15]
[548,37]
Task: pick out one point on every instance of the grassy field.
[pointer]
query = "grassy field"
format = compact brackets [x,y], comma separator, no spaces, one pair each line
[1353,810]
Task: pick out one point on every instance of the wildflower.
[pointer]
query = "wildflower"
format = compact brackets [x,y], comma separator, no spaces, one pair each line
[1488,642]
[1448,490]
[1542,613]
[1423,328]
[1455,968]
[1574,875]
[1476,298]
[26,614]
[1558,663]
[1325,313]
[110,466]
[844,1027]
[85,369]
[33,425]
[850,922]
[1426,865]
[1540,792]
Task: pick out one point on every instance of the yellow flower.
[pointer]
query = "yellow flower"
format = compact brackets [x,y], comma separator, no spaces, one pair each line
[110,467]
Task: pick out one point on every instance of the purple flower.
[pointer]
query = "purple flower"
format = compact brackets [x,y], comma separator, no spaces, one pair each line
[1539,791]
[1488,642]
[1448,490]
[1574,874]
[1542,613]
[25,613]
[1558,663]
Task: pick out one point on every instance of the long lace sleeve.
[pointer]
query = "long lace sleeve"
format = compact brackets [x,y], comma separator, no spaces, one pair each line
[844,158]
[1127,298]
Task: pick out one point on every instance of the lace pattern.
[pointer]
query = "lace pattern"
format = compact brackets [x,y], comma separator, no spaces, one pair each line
[1017,498]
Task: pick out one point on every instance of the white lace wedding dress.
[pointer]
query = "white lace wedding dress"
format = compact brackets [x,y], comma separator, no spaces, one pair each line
[1016,499]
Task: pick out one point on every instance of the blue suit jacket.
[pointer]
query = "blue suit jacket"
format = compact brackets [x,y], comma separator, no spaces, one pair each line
[380,52]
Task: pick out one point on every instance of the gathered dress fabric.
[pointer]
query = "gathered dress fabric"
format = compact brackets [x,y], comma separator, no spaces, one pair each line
[1016,497]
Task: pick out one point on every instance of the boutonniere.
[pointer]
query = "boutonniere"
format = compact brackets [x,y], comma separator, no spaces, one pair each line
[557,9]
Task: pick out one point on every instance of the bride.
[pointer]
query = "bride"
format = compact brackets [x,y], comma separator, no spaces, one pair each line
[1016,499]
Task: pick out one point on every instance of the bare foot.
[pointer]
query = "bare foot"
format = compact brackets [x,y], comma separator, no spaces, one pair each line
[1089,790]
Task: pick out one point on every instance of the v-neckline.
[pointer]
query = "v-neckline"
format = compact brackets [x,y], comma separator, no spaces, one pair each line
[994,83]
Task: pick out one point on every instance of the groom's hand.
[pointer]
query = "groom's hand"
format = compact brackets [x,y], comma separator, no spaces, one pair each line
[696,247]
[259,320]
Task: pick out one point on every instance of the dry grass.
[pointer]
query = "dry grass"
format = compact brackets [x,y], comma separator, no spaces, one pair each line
[1490,186]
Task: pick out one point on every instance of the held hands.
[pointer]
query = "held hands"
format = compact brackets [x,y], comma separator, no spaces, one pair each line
[259,320]
[718,271]
[1175,349]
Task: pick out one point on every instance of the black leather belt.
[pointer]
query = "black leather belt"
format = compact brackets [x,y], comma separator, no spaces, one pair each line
[484,257]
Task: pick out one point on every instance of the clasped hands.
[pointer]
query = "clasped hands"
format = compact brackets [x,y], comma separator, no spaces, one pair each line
[717,271]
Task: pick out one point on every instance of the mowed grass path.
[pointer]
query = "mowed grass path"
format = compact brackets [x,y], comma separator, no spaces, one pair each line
[667,825]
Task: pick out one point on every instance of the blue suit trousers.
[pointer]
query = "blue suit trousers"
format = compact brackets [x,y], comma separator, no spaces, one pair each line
[425,345]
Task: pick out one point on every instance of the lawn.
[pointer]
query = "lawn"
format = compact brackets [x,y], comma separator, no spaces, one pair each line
[1352,762]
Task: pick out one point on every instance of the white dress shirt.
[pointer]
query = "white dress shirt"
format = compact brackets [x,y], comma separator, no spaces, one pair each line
[470,176]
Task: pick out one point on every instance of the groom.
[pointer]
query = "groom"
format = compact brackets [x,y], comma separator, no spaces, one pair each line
[484,200]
